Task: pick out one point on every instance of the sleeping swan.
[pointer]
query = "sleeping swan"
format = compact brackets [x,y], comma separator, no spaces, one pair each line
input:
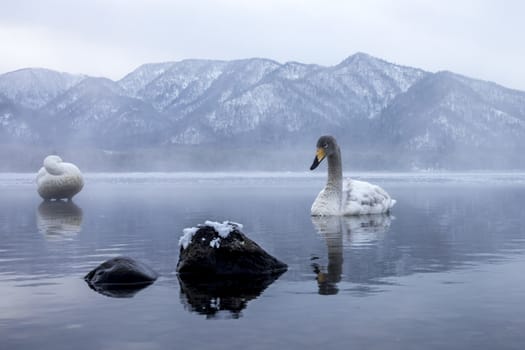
[350,197]
[58,180]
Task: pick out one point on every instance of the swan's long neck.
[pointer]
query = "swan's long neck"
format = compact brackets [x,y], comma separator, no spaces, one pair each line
[53,167]
[335,173]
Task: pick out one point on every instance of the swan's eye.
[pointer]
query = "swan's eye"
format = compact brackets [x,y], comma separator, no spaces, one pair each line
[325,145]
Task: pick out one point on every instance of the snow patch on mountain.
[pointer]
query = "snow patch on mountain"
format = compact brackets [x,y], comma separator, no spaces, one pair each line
[34,87]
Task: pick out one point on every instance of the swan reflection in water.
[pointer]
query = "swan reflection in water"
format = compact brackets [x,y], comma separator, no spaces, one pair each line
[342,232]
[59,220]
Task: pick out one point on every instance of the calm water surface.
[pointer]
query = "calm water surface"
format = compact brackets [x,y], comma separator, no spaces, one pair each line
[445,271]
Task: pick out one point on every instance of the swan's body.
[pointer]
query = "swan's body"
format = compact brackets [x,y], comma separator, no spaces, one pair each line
[348,197]
[58,180]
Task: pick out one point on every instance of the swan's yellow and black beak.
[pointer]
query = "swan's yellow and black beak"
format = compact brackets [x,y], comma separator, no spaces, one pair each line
[319,156]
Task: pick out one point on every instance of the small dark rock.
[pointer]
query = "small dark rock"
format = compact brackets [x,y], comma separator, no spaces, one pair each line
[234,255]
[120,277]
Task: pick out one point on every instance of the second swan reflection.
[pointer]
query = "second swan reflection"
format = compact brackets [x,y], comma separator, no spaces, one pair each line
[59,220]
[342,232]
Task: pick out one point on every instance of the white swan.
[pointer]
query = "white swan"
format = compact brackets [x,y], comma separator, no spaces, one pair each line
[350,197]
[58,180]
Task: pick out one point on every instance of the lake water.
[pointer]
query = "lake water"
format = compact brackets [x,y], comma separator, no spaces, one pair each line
[444,271]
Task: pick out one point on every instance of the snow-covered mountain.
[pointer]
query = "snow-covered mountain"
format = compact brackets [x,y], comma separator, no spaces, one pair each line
[136,81]
[212,100]
[98,111]
[15,123]
[456,119]
[385,115]
[34,87]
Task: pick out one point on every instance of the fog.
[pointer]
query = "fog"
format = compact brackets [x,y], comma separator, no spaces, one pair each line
[240,158]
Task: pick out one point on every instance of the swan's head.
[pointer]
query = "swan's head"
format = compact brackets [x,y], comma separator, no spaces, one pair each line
[326,146]
[52,159]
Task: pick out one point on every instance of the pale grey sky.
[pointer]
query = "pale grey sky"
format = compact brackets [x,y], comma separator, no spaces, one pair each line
[478,38]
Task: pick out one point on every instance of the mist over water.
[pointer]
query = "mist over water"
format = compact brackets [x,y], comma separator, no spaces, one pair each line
[443,269]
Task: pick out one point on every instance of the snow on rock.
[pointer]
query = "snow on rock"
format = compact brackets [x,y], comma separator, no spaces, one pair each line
[215,243]
[223,230]
[187,235]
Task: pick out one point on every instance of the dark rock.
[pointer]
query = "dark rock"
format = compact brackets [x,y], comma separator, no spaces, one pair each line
[215,295]
[233,255]
[120,277]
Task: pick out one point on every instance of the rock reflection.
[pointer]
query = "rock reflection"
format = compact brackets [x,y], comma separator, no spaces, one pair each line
[119,290]
[59,220]
[340,232]
[220,297]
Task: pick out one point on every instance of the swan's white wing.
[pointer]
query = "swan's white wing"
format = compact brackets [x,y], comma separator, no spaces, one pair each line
[361,198]
[41,173]
[71,169]
[326,203]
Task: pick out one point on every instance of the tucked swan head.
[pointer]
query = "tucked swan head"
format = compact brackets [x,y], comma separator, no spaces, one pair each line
[52,165]
[326,147]
[52,158]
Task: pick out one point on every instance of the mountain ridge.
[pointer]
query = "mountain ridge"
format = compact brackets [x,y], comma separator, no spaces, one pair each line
[386,114]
